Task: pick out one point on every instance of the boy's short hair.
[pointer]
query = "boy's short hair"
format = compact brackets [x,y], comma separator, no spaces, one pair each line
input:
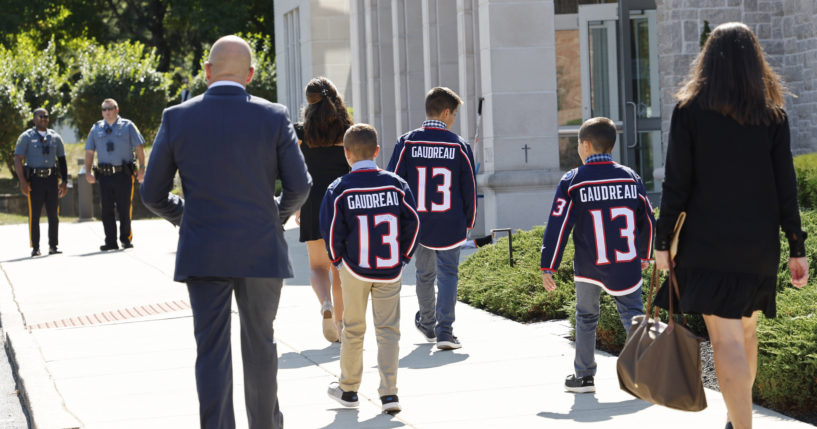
[361,141]
[441,98]
[600,132]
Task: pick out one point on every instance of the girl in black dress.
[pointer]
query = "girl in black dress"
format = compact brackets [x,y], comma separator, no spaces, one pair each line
[325,121]
[729,166]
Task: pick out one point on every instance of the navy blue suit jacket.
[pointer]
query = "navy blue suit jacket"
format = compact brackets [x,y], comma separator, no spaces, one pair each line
[229,148]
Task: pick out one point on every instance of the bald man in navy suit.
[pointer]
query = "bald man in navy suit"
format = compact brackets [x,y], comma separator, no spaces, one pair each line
[229,148]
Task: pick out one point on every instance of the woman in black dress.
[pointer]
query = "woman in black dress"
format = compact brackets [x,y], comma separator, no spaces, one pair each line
[325,121]
[729,166]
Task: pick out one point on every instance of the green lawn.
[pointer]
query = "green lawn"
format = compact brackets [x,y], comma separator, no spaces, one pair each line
[13,219]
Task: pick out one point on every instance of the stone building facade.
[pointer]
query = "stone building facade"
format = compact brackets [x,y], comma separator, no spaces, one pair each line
[541,67]
[787,30]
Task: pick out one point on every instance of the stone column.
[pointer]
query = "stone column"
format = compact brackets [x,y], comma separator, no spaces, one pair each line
[440,56]
[468,65]
[373,69]
[329,43]
[518,72]
[409,85]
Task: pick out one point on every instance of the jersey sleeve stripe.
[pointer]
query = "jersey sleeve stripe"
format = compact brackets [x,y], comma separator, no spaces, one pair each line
[400,158]
[416,228]
[561,236]
[474,215]
[333,254]
[649,220]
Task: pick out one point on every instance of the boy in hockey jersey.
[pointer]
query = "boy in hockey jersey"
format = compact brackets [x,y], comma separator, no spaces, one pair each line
[439,167]
[371,227]
[606,205]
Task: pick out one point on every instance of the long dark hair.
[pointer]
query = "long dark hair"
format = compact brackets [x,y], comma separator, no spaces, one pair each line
[325,117]
[731,76]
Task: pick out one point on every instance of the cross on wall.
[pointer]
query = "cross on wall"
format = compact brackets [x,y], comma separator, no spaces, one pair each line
[526,148]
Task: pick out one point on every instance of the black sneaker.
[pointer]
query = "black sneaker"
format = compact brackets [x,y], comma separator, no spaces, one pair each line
[347,399]
[127,245]
[580,384]
[35,252]
[391,405]
[106,247]
[448,342]
[428,334]
[53,250]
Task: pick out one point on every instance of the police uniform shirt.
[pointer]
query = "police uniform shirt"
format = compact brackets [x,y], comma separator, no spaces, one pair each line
[40,151]
[114,143]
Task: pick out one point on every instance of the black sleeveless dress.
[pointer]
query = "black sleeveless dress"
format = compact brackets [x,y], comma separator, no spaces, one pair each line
[325,164]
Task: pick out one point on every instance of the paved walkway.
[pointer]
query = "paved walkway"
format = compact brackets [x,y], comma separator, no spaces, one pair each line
[104,340]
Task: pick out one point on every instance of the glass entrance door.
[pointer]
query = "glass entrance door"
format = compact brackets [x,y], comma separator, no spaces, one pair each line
[598,42]
[619,72]
[640,89]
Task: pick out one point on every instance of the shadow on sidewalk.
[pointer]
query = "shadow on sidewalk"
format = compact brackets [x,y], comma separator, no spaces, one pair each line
[586,408]
[423,356]
[346,418]
[293,360]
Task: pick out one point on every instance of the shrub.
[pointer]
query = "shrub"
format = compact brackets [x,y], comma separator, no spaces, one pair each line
[806,168]
[36,72]
[127,73]
[487,281]
[14,112]
[787,344]
[787,354]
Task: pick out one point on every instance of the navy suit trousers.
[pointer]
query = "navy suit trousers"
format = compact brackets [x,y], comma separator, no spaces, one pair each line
[257,299]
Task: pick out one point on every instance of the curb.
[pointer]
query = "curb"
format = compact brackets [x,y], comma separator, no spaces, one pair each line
[44,403]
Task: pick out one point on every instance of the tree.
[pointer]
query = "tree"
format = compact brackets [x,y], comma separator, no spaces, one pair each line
[264,82]
[14,112]
[127,73]
[36,72]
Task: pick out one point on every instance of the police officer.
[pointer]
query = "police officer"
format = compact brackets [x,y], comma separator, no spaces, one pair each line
[115,139]
[44,154]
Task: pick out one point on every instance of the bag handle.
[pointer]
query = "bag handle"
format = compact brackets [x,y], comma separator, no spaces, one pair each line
[653,281]
[674,292]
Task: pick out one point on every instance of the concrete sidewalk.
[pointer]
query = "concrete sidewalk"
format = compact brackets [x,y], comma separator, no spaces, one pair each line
[104,340]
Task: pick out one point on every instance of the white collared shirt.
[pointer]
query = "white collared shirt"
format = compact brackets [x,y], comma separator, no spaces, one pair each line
[226,83]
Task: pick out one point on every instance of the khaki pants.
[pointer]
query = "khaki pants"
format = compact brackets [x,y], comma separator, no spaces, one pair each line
[386,314]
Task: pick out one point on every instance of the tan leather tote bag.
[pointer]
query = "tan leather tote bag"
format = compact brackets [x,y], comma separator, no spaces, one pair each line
[661,363]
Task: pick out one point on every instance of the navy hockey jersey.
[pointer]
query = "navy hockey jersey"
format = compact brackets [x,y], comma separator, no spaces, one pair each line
[369,222]
[439,167]
[606,205]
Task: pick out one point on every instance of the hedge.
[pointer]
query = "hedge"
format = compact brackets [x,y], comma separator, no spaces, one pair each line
[787,369]
[806,168]
[127,73]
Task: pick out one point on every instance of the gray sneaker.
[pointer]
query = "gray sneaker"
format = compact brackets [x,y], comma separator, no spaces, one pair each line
[580,384]
[428,334]
[347,399]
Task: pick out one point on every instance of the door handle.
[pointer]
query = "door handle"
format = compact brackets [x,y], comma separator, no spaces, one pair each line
[635,125]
